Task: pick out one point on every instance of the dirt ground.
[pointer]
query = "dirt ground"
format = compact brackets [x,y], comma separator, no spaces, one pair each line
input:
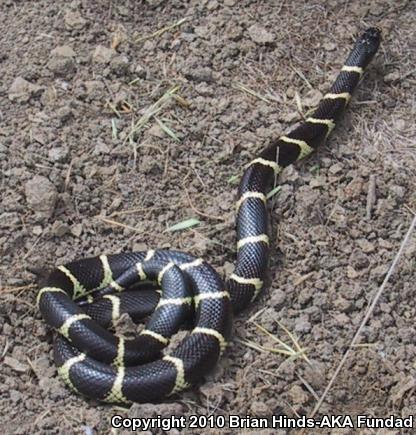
[76,181]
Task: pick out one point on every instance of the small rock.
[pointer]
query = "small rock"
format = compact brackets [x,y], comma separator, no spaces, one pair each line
[392,77]
[317,182]
[156,131]
[335,169]
[303,325]
[73,20]
[76,230]
[212,391]
[64,114]
[201,74]
[366,246]
[119,64]
[15,396]
[343,304]
[351,272]
[297,395]
[312,98]
[16,365]
[37,230]
[385,244]
[359,260]
[117,201]
[354,188]
[277,298]
[212,5]
[103,54]
[59,228]
[101,148]
[398,191]
[41,195]
[260,35]
[259,409]
[62,66]
[289,116]
[379,272]
[58,154]
[21,90]
[329,46]
[94,89]
[63,51]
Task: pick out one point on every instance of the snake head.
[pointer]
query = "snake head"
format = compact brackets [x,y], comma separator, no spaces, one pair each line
[370,40]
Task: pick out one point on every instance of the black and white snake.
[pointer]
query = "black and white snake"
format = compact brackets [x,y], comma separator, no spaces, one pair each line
[100,365]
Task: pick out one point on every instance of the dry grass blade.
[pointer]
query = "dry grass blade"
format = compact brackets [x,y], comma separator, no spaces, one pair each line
[284,349]
[167,130]
[114,109]
[162,30]
[233,179]
[296,351]
[151,111]
[117,224]
[273,192]
[184,225]
[17,289]
[114,133]
[245,89]
[289,353]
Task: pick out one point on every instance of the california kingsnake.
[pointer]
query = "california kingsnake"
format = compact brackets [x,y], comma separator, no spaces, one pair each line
[102,366]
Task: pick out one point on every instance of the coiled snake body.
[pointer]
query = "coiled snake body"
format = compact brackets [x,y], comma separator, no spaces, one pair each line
[100,365]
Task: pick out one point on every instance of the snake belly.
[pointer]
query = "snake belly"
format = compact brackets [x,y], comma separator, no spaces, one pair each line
[98,364]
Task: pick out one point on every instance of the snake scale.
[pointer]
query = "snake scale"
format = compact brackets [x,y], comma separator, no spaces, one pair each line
[96,363]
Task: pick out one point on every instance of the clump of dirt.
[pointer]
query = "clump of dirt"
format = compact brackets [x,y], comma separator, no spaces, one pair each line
[76,181]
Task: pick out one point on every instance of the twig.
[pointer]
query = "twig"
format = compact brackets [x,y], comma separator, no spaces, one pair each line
[366,317]
[201,213]
[371,195]
[17,289]
[117,224]
[241,87]
[162,30]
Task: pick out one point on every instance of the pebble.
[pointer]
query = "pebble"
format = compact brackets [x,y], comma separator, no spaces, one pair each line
[119,64]
[156,131]
[101,148]
[58,154]
[76,229]
[260,35]
[297,395]
[37,230]
[103,54]
[366,246]
[351,272]
[41,195]
[73,20]
[391,77]
[63,51]
[201,74]
[312,98]
[22,90]
[94,89]
[59,228]
[277,298]
[259,409]
[336,168]
[302,324]
[16,365]
[62,66]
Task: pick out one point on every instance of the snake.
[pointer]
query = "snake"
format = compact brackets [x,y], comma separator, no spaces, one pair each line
[84,299]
